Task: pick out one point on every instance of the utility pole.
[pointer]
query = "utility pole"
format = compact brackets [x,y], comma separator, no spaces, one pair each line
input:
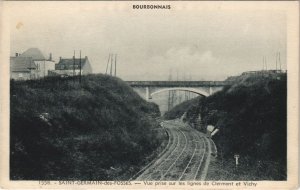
[80,66]
[115,64]
[185,92]
[189,93]
[107,63]
[44,68]
[111,64]
[170,93]
[176,93]
[74,64]
[276,61]
[264,62]
[279,61]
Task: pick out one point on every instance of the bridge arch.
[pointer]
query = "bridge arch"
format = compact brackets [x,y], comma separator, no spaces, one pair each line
[196,91]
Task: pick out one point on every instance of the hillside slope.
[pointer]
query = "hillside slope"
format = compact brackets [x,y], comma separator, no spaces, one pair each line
[178,110]
[251,116]
[61,129]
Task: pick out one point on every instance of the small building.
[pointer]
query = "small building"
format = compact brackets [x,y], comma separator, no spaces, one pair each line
[22,68]
[43,64]
[72,66]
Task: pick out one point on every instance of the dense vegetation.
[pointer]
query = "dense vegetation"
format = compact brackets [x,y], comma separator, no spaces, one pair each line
[178,110]
[99,129]
[251,116]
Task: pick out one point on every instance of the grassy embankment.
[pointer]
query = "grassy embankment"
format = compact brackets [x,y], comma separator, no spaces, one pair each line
[178,110]
[97,130]
[251,116]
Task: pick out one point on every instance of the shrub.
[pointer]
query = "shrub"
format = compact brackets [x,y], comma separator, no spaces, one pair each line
[90,127]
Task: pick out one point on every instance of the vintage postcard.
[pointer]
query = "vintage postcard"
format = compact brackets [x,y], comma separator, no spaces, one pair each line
[149,94]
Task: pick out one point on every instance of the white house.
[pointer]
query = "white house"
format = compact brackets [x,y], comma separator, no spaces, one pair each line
[22,68]
[72,66]
[43,65]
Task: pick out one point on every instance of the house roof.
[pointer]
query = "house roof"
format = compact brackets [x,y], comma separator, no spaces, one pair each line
[70,62]
[21,64]
[35,53]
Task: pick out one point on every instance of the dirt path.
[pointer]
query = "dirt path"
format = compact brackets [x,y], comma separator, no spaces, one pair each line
[186,156]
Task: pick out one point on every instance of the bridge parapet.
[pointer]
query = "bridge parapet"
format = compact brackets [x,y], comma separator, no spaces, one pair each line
[178,83]
[147,89]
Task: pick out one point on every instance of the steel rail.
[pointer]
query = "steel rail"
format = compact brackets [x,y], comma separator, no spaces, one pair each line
[195,149]
[207,161]
[156,169]
[153,161]
[186,142]
[201,160]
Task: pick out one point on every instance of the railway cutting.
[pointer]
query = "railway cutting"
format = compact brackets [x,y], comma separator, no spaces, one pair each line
[185,158]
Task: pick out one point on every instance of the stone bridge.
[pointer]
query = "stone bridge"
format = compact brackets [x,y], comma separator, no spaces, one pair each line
[147,89]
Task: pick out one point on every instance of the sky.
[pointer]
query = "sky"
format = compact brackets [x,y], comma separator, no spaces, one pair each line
[210,44]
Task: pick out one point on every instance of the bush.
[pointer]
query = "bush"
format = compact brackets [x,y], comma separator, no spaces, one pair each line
[63,129]
[180,109]
[251,116]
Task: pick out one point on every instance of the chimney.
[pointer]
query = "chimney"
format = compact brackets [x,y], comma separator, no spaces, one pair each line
[17,54]
[59,58]
[50,57]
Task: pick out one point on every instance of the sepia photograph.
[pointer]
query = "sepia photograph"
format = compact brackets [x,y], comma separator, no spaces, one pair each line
[143,93]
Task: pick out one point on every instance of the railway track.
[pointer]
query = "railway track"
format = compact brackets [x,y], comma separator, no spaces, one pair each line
[186,156]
